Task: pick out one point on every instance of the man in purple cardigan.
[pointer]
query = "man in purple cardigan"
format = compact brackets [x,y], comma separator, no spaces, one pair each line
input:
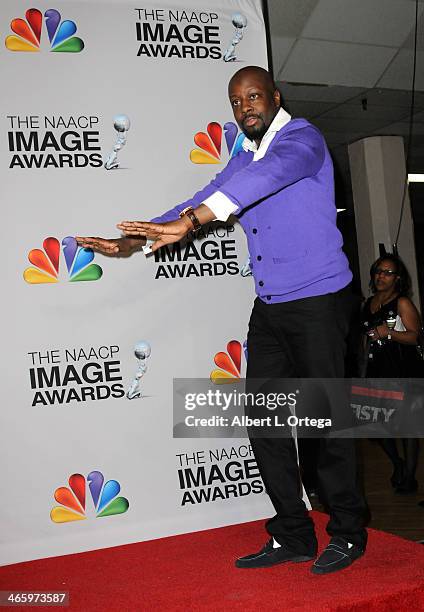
[281,188]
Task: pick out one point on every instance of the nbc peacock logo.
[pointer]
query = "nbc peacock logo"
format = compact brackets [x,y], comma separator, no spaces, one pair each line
[229,364]
[104,496]
[27,35]
[45,268]
[210,143]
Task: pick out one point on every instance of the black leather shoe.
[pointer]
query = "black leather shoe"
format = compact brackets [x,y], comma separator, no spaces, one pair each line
[407,487]
[338,555]
[398,474]
[269,556]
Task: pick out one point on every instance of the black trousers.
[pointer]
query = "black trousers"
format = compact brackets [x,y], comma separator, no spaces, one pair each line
[305,338]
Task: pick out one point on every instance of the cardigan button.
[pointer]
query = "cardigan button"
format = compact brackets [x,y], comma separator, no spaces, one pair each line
[261,283]
[254,230]
[259,257]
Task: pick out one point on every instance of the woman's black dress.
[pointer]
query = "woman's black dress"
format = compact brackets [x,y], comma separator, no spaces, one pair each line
[387,358]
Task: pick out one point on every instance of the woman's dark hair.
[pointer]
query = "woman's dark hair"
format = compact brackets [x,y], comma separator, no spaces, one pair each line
[403,282]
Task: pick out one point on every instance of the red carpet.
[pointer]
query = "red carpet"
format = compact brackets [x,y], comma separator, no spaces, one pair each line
[195,572]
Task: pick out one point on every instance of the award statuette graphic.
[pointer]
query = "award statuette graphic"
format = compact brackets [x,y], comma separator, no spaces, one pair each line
[246,269]
[142,351]
[239,22]
[121,123]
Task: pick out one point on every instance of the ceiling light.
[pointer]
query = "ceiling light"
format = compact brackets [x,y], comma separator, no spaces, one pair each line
[415,178]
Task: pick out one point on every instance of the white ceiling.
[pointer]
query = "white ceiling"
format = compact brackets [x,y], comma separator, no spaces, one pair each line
[349,42]
[347,66]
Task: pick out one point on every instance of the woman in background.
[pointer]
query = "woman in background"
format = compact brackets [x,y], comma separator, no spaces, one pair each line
[392,326]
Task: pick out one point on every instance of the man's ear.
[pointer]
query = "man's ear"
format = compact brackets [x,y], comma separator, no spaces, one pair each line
[277,98]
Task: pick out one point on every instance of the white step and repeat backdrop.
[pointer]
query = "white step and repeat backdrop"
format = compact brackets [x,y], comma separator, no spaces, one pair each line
[83,466]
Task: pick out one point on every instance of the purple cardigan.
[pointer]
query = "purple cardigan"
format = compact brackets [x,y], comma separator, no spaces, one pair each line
[286,207]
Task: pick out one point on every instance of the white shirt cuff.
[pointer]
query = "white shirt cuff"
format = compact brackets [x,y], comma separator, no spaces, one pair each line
[221,206]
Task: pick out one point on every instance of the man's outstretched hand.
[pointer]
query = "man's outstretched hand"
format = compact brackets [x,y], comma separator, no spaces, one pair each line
[111,246]
[136,232]
[161,233]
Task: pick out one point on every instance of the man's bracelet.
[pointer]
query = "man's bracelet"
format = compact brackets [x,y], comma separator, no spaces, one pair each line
[189,212]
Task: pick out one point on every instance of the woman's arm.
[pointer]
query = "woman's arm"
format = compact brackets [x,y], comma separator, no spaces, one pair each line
[411,321]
